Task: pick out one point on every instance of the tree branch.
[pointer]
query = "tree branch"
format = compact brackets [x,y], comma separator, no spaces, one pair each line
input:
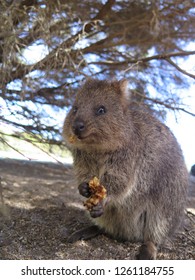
[65,48]
[168,106]
[32,143]
[28,128]
[180,69]
[144,59]
[5,142]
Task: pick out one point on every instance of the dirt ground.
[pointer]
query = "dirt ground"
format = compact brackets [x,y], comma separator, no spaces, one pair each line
[41,207]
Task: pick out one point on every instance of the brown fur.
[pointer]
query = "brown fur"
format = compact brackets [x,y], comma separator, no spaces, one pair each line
[136,158]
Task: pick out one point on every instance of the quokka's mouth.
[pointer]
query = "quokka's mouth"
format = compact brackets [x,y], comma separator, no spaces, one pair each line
[89,138]
[74,138]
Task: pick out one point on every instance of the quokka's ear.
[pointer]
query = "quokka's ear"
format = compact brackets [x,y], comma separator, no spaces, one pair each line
[123,85]
[125,92]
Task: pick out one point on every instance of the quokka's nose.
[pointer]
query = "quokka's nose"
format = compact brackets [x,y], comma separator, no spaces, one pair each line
[78,127]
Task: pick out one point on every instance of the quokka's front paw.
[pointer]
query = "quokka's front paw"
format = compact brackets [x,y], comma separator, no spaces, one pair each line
[94,203]
[97,210]
[84,189]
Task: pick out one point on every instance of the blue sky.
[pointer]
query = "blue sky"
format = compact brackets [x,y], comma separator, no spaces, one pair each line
[183,125]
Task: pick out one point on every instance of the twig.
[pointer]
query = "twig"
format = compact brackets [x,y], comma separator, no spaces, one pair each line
[132,66]
[189,214]
[28,128]
[190,236]
[5,142]
[31,142]
[145,59]
[180,69]
[3,208]
[58,161]
[166,105]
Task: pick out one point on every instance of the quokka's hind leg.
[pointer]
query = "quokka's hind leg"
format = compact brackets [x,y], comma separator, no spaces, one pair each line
[155,230]
[147,251]
[84,234]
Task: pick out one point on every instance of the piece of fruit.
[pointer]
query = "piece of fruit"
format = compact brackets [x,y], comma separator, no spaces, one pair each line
[98,193]
[72,139]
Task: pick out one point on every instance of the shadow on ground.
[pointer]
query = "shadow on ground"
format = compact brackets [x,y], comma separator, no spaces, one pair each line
[42,207]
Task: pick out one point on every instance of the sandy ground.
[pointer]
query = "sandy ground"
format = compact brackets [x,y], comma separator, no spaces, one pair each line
[41,207]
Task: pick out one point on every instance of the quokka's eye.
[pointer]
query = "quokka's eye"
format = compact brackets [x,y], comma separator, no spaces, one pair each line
[100,110]
[74,109]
